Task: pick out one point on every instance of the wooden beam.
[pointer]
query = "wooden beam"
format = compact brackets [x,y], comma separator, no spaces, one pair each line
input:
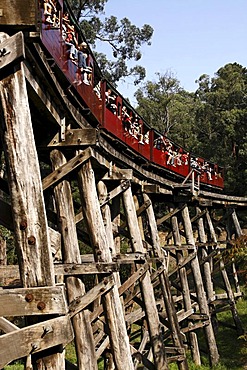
[14,50]
[43,95]
[34,338]
[68,269]
[104,200]
[75,137]
[33,301]
[118,174]
[81,302]
[169,215]
[60,173]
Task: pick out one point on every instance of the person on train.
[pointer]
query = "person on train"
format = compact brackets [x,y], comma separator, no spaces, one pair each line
[110,101]
[83,70]
[207,169]
[69,37]
[126,120]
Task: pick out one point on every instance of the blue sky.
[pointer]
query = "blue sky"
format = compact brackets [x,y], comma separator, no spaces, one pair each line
[191,37]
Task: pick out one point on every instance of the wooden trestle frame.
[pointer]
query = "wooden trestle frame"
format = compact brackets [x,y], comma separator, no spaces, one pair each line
[124,301]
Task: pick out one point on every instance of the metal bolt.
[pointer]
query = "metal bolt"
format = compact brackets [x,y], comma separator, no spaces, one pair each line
[23,225]
[41,306]
[31,240]
[35,346]
[29,297]
[48,329]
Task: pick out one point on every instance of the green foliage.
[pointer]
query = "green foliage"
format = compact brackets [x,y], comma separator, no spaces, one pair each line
[124,38]
[212,122]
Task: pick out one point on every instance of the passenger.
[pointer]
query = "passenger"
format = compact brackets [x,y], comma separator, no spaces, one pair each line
[68,35]
[48,8]
[146,138]
[84,72]
[185,158]
[207,169]
[126,119]
[140,133]
[178,158]
[110,101]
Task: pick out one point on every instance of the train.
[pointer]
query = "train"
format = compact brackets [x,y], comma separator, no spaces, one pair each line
[63,41]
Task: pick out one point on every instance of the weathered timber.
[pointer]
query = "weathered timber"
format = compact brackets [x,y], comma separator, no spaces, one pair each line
[86,268]
[14,50]
[164,283]
[83,301]
[84,343]
[30,223]
[33,301]
[106,198]
[42,93]
[3,256]
[207,261]
[28,209]
[75,137]
[169,215]
[239,232]
[146,285]
[123,288]
[7,326]
[185,287]
[114,313]
[226,281]
[58,174]
[202,301]
[34,338]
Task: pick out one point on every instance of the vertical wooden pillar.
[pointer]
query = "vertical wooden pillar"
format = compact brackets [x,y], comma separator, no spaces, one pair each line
[186,291]
[146,285]
[202,300]
[115,211]
[165,285]
[84,341]
[112,304]
[3,256]
[238,232]
[226,281]
[206,265]
[29,218]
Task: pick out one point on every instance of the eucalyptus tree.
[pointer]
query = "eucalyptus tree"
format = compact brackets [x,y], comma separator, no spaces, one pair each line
[124,39]
[168,108]
[222,122]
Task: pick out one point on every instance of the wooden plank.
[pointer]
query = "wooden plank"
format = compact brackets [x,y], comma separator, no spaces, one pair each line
[14,50]
[118,174]
[43,94]
[98,238]
[34,338]
[6,326]
[84,343]
[75,137]
[61,172]
[104,200]
[81,302]
[151,312]
[74,269]
[33,301]
[169,215]
[17,14]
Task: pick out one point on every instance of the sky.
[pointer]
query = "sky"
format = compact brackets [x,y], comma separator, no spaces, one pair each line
[191,37]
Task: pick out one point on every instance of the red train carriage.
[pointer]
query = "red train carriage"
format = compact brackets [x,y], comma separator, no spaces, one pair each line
[62,38]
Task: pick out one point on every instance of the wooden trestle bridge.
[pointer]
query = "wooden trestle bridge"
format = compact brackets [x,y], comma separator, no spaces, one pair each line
[111,256]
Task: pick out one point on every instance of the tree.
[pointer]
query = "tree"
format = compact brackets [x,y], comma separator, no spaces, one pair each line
[124,39]
[168,108]
[222,123]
